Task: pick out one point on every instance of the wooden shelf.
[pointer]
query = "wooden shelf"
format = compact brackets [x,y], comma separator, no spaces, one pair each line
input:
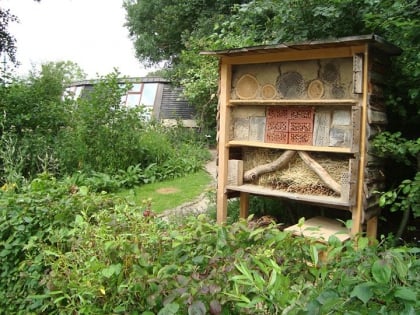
[283,102]
[327,201]
[236,143]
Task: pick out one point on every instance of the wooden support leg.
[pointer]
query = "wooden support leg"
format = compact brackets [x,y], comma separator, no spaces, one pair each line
[357,221]
[244,205]
[372,228]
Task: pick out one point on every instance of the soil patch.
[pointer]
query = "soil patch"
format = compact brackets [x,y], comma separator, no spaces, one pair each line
[167,190]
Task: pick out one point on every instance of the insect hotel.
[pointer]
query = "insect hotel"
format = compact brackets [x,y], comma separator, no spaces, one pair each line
[296,121]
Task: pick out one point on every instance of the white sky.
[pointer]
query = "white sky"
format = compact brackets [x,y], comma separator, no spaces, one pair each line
[88,32]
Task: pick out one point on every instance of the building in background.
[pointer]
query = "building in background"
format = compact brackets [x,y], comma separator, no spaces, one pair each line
[161,100]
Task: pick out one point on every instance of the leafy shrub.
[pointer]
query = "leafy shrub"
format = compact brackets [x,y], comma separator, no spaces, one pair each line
[41,214]
[67,252]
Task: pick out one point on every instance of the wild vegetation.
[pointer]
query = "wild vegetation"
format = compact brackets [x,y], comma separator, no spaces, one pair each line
[68,245]
[79,252]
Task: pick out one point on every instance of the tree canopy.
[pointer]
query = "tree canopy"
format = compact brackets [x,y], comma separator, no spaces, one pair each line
[159,28]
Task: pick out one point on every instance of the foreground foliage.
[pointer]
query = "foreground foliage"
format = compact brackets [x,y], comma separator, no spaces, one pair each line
[74,252]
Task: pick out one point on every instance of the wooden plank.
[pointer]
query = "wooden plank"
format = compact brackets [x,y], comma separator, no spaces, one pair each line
[376,102]
[257,128]
[355,119]
[241,128]
[283,102]
[243,205]
[224,119]
[328,201]
[372,228]
[377,117]
[320,228]
[235,172]
[292,55]
[357,73]
[358,210]
[353,170]
[322,123]
[345,185]
[235,143]
[340,136]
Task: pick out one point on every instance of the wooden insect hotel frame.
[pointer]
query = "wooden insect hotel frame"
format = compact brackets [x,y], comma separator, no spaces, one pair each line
[295,121]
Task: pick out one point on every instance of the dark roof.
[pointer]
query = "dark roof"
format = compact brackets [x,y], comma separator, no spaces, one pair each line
[372,39]
[174,105]
[122,80]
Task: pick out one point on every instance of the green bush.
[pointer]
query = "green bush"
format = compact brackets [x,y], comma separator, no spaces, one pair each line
[41,214]
[128,263]
[65,250]
[42,132]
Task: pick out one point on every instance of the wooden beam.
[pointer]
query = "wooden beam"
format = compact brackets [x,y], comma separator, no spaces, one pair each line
[289,55]
[243,205]
[297,147]
[358,209]
[224,120]
[372,228]
[287,102]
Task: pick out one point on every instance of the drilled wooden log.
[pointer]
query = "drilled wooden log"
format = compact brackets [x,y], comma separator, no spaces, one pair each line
[320,171]
[257,171]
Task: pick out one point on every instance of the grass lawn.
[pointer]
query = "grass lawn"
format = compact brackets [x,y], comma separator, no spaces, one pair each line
[169,194]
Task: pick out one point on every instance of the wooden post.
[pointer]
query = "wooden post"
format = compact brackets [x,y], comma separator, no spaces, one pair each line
[372,228]
[243,205]
[224,119]
[357,211]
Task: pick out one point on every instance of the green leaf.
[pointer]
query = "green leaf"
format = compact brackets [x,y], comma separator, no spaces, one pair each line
[362,243]
[314,255]
[301,222]
[381,271]
[406,294]
[363,292]
[111,270]
[147,313]
[197,308]
[169,309]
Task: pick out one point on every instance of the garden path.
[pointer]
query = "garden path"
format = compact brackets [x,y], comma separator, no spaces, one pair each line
[202,202]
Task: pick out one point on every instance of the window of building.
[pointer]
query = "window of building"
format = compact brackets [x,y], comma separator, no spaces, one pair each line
[140,94]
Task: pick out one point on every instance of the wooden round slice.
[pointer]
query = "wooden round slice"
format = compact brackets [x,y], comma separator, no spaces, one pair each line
[247,87]
[315,89]
[268,92]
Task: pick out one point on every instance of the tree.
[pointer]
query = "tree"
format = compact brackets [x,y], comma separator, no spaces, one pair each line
[7,41]
[158,27]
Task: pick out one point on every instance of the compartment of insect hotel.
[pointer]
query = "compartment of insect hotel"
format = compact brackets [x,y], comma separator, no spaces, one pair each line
[295,122]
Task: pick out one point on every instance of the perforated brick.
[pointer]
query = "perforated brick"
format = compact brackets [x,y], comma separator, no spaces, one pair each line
[300,125]
[301,113]
[276,137]
[291,124]
[300,138]
[275,113]
[277,126]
